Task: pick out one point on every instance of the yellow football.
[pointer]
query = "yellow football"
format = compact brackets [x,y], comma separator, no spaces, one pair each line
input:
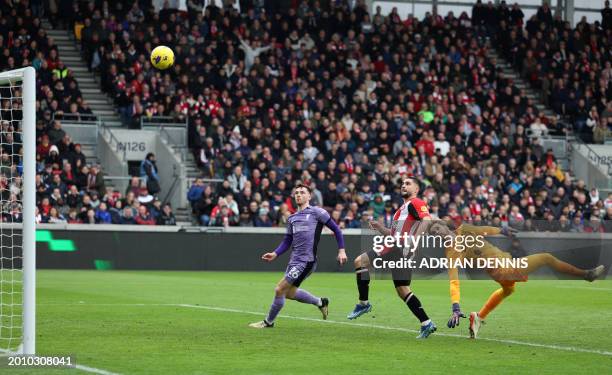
[162,57]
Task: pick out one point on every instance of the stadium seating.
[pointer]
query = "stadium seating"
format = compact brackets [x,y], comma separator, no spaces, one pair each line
[571,66]
[68,190]
[347,103]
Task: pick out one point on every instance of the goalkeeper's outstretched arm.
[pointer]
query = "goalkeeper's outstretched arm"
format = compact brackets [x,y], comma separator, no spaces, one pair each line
[455,294]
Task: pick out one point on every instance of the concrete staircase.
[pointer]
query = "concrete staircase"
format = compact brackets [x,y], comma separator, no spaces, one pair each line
[103,108]
[534,96]
[69,53]
[519,82]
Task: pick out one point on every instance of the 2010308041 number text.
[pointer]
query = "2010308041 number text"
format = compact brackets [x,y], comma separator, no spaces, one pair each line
[13,361]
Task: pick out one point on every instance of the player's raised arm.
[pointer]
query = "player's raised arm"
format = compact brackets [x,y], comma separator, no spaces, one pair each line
[325,219]
[441,228]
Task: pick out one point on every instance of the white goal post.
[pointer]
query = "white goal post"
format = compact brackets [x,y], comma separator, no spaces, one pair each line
[17,224]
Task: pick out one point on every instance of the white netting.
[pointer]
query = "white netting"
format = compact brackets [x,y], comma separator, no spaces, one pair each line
[11,210]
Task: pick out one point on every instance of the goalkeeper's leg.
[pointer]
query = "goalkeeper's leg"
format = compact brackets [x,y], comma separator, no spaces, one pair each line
[496,298]
[476,318]
[536,261]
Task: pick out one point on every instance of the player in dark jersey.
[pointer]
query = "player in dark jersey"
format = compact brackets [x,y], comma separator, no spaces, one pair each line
[405,220]
[303,232]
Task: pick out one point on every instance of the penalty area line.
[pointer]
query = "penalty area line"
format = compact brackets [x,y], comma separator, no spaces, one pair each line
[389,328]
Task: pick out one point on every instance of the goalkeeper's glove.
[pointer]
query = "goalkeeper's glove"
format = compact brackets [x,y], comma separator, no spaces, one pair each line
[456,317]
[508,231]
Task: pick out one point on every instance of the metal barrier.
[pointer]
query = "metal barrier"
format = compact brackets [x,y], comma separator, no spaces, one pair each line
[170,130]
[84,133]
[80,118]
[161,120]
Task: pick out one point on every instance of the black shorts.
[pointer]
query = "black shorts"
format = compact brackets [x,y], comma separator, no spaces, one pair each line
[297,272]
[401,276]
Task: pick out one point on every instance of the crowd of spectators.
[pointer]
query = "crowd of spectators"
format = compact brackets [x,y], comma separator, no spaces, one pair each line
[345,101]
[572,67]
[349,102]
[68,189]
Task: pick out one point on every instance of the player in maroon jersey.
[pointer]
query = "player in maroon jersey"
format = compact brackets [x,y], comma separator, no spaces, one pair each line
[405,220]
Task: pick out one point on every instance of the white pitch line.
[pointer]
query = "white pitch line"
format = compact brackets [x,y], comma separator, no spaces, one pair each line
[93,370]
[515,342]
[388,328]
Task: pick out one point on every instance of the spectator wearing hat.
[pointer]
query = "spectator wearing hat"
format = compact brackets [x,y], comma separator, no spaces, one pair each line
[53,157]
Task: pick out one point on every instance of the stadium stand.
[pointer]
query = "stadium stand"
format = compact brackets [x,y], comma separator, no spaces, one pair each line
[348,102]
[572,68]
[69,190]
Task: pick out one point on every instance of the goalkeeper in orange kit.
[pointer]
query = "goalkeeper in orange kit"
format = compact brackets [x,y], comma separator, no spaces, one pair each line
[507,277]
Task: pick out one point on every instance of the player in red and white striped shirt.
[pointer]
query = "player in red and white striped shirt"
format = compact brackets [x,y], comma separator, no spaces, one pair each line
[405,220]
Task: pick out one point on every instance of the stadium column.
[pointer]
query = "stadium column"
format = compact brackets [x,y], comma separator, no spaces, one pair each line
[569,10]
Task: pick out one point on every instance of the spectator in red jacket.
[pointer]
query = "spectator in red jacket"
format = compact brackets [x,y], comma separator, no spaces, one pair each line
[144,217]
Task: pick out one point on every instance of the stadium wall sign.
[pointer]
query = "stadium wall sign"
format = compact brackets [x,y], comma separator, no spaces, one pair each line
[135,143]
[239,249]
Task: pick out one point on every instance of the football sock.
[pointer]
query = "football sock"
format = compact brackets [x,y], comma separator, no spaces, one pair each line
[415,306]
[363,283]
[495,299]
[275,308]
[304,296]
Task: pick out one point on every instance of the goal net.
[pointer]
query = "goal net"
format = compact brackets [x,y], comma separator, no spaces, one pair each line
[17,207]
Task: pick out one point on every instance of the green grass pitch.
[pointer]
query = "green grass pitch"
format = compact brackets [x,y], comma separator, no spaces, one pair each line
[196,323]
